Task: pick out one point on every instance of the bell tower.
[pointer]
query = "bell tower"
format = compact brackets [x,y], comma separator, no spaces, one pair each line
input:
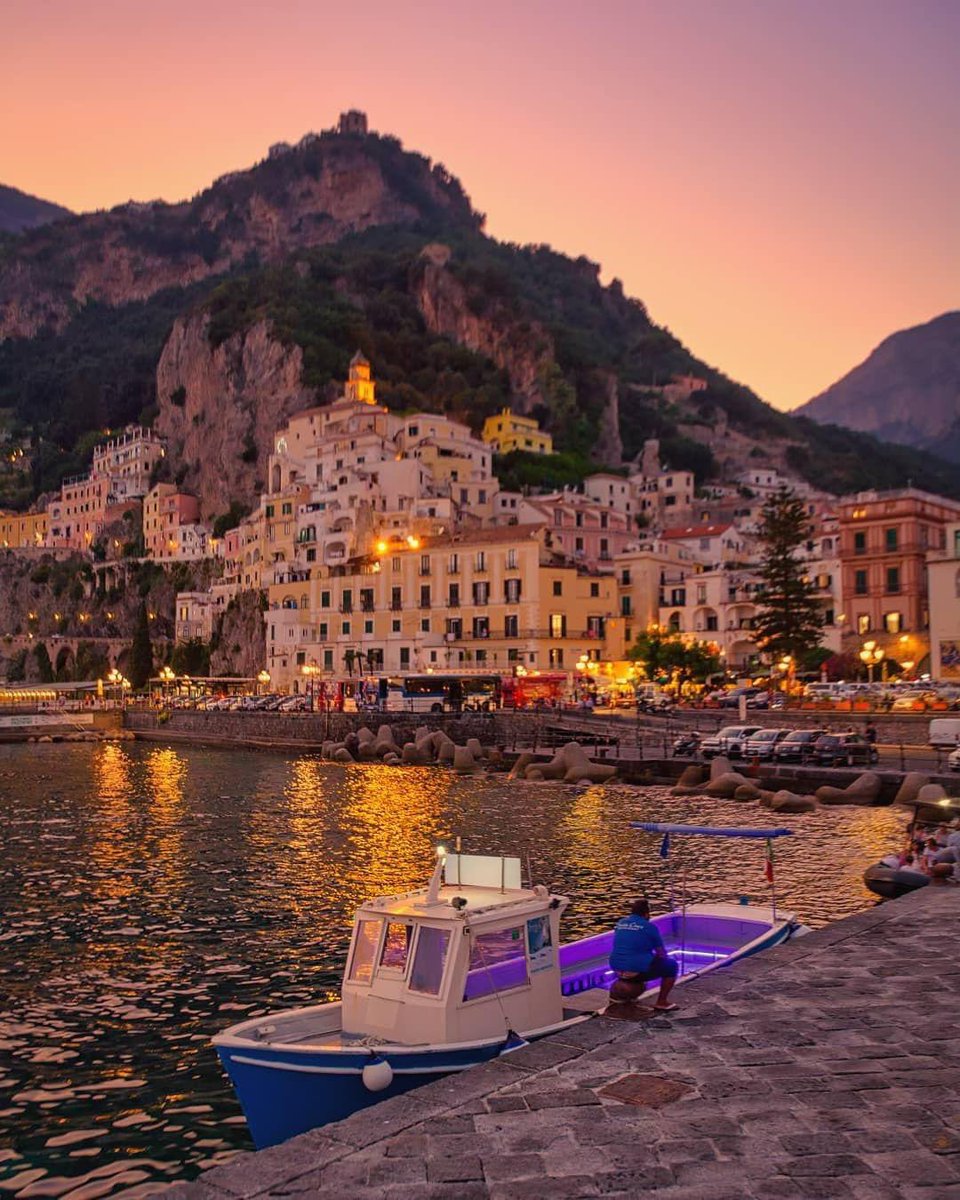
[360,387]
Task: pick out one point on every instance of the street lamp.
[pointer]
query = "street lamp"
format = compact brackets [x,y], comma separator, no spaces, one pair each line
[870,656]
[262,679]
[311,670]
[116,678]
[167,677]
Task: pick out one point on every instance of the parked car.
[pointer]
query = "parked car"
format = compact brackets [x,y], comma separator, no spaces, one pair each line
[845,750]
[763,743]
[756,697]
[728,741]
[798,746]
[953,761]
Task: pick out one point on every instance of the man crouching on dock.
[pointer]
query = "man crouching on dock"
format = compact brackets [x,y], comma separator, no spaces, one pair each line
[638,955]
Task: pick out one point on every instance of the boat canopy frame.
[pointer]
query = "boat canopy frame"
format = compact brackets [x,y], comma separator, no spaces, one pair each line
[710,830]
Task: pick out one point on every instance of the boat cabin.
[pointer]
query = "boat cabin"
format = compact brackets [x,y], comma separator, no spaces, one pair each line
[472,956]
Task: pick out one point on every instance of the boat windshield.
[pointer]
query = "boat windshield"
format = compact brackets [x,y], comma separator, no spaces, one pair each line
[365,951]
[429,960]
[396,946]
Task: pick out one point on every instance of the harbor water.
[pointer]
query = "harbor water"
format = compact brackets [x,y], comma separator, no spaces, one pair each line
[151,896]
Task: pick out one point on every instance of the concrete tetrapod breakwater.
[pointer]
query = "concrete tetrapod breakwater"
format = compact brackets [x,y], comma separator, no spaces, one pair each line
[829,1067]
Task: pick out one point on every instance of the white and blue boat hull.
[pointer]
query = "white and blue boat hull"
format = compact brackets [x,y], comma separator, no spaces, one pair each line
[286,1092]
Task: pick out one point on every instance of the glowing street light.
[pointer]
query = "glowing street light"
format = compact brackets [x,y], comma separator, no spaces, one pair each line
[871,655]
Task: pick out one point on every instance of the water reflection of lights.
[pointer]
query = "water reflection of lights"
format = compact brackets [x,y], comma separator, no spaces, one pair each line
[391,819]
[166,774]
[111,771]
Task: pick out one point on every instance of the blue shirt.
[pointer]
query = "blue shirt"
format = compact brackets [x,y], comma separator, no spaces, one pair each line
[634,941]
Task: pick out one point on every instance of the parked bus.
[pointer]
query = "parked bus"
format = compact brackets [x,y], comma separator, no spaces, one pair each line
[441,693]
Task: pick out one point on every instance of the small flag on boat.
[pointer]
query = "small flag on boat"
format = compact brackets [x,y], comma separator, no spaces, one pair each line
[768,867]
[665,846]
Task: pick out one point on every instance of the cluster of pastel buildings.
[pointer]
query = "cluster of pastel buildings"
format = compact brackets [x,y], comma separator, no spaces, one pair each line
[387,539]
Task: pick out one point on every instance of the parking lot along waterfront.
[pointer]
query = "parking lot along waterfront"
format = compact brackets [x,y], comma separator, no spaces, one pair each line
[151,895]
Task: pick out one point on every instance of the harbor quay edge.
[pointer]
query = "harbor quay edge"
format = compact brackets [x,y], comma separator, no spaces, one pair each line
[827,1067]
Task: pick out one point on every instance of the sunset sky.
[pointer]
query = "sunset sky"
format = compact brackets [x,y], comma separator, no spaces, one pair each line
[778,180]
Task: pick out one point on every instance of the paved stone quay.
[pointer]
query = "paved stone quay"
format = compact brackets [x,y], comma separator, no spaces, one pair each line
[829,1067]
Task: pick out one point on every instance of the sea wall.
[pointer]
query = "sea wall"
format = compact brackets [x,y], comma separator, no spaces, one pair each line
[303,730]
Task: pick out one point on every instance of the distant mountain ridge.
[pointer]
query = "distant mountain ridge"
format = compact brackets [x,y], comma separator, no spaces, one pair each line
[20,211]
[907,390]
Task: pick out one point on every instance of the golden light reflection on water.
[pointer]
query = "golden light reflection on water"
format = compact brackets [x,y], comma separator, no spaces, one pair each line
[166,773]
[391,820]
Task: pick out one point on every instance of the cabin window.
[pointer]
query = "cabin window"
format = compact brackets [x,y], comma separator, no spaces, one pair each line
[365,951]
[396,946]
[429,960]
[498,963]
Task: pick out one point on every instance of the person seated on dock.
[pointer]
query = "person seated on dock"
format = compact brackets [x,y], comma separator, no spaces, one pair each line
[638,956]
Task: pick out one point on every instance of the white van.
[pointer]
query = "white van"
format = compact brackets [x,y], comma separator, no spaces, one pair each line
[945,733]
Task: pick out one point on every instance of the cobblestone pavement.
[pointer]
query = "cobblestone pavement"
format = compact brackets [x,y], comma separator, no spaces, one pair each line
[829,1067]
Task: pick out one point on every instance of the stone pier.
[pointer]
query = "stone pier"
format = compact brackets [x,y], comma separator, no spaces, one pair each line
[829,1067]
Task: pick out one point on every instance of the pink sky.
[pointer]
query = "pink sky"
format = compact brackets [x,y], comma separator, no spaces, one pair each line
[777,180]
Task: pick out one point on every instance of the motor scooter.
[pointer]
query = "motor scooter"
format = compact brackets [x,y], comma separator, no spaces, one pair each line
[687,744]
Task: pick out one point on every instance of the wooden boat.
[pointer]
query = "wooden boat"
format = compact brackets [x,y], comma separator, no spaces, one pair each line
[447,977]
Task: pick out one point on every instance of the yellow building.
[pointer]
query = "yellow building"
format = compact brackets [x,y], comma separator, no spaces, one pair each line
[487,600]
[507,431]
[22,529]
[360,386]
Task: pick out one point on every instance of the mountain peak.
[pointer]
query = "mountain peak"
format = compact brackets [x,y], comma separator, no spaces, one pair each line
[328,185]
[907,390]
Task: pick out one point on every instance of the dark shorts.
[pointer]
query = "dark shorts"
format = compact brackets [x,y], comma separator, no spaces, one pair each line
[660,968]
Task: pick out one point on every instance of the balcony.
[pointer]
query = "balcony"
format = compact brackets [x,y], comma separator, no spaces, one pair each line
[366,606]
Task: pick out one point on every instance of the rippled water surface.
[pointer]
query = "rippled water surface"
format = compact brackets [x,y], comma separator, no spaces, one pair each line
[150,896]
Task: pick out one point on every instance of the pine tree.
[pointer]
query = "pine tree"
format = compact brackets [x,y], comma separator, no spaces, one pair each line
[790,619]
[141,652]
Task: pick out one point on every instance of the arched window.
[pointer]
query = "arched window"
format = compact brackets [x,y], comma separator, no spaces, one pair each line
[674,622]
[956,583]
[275,478]
[304,601]
[289,602]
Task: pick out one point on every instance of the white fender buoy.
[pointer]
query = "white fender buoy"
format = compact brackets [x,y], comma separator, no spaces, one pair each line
[377,1075]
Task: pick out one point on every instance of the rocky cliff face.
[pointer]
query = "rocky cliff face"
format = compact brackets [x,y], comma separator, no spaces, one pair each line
[240,645]
[312,195]
[85,618]
[523,352]
[220,408]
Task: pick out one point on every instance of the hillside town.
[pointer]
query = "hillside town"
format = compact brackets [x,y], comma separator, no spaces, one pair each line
[384,544]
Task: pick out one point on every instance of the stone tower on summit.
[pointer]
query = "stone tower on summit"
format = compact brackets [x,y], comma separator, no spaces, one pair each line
[354,122]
